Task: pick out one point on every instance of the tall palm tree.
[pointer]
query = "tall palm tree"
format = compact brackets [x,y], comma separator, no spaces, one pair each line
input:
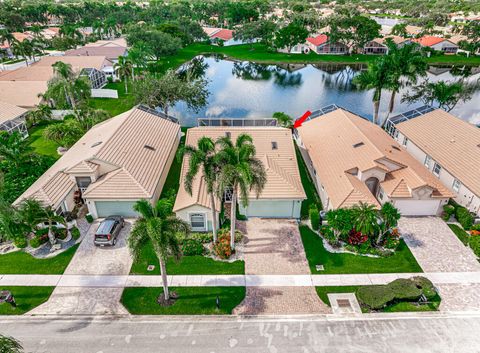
[159,226]
[283,119]
[124,69]
[240,171]
[376,77]
[365,218]
[203,157]
[137,56]
[409,64]
[23,49]
[389,216]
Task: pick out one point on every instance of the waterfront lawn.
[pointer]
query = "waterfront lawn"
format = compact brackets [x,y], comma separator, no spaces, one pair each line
[39,143]
[20,262]
[397,307]
[400,262]
[308,186]
[26,298]
[191,300]
[113,107]
[460,233]
[188,265]
[173,178]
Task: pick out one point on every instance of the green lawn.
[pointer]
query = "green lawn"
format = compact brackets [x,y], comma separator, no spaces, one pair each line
[39,143]
[191,300]
[114,107]
[173,178]
[188,265]
[397,307]
[20,262]
[308,186]
[26,298]
[460,233]
[402,261]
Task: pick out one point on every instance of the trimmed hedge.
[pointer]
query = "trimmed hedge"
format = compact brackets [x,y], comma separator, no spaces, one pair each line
[20,242]
[448,211]
[314,217]
[375,297]
[464,217]
[191,247]
[75,233]
[405,289]
[475,245]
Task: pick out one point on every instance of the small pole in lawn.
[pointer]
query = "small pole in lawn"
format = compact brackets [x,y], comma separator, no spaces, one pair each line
[217,302]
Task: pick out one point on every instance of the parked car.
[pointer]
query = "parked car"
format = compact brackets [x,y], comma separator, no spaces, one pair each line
[108,231]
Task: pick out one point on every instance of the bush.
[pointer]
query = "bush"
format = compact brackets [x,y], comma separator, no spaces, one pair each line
[464,217]
[20,242]
[191,247]
[36,241]
[405,289]
[41,232]
[314,217]
[356,238]
[222,246]
[448,211]
[475,227]
[203,238]
[75,233]
[475,245]
[226,232]
[375,297]
[426,286]
[89,218]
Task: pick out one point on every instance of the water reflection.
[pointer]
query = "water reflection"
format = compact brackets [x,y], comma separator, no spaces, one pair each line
[245,89]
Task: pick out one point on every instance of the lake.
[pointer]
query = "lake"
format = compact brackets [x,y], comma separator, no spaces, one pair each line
[249,90]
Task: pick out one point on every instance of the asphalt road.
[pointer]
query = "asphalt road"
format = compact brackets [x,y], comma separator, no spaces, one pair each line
[452,333]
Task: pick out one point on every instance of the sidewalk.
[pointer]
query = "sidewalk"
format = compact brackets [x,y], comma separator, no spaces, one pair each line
[112,281]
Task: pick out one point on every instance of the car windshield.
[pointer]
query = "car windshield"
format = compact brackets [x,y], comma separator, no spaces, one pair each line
[105,227]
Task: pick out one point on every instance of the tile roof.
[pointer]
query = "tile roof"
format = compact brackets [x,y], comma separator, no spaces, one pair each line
[428,41]
[452,142]
[22,93]
[283,177]
[318,40]
[9,111]
[78,62]
[224,34]
[111,52]
[340,142]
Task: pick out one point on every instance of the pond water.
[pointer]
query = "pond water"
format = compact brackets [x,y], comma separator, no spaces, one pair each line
[249,90]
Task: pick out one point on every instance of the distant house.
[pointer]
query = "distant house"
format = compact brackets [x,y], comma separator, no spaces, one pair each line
[12,119]
[352,160]
[438,43]
[375,46]
[448,147]
[116,163]
[321,45]
[223,35]
[282,195]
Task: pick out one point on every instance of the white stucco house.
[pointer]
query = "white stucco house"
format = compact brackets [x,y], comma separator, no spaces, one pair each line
[283,193]
[116,163]
[447,146]
[352,160]
[438,43]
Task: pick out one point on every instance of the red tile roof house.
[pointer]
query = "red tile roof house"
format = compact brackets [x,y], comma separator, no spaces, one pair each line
[321,45]
[438,43]
[217,35]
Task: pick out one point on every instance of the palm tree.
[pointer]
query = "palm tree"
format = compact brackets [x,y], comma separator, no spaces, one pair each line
[124,69]
[203,156]
[33,212]
[137,56]
[240,171]
[365,218]
[42,112]
[10,222]
[283,119]
[376,77]
[23,49]
[10,345]
[389,216]
[159,226]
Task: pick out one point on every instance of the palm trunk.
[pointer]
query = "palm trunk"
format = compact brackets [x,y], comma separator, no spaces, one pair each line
[380,237]
[51,237]
[214,217]
[163,272]
[392,101]
[376,105]
[126,85]
[233,217]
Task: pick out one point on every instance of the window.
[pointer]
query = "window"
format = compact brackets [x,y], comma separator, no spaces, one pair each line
[405,141]
[197,221]
[456,185]
[427,161]
[436,169]
[83,182]
[380,194]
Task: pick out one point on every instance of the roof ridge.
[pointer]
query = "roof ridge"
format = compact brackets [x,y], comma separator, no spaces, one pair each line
[281,172]
[401,181]
[135,180]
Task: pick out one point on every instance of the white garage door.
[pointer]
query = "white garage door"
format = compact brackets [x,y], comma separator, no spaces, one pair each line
[270,209]
[117,208]
[418,207]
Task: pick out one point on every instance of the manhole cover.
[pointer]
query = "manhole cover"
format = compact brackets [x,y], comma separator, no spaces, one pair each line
[343,303]
[150,268]
[319,267]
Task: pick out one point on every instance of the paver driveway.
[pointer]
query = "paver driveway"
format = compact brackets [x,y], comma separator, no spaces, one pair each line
[92,260]
[274,247]
[435,246]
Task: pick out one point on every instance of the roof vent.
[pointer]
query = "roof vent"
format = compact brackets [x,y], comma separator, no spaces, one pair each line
[96,144]
[358,145]
[148,147]
[274,145]
[396,148]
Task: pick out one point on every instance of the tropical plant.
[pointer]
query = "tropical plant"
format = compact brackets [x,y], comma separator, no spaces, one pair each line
[341,221]
[240,171]
[365,219]
[42,112]
[203,157]
[23,49]
[283,119]
[389,217]
[10,345]
[158,226]
[124,69]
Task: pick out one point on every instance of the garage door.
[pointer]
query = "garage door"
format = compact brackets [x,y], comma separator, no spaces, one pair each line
[270,209]
[418,207]
[120,208]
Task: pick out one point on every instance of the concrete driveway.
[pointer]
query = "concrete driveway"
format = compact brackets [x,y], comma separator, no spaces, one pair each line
[92,260]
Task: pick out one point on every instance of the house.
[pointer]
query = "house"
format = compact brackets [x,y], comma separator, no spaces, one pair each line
[352,160]
[22,86]
[12,119]
[438,43]
[282,195]
[413,30]
[448,147]
[321,45]
[116,163]
[223,35]
[375,46]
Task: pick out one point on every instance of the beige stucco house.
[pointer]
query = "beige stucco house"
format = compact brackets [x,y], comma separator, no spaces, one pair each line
[352,160]
[448,147]
[115,164]
[283,193]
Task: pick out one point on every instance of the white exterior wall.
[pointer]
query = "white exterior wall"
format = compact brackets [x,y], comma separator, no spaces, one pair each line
[464,196]
[185,215]
[274,208]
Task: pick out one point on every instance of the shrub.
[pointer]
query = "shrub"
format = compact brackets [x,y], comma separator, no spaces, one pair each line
[20,242]
[464,217]
[89,218]
[356,238]
[191,247]
[75,233]
[314,217]
[226,232]
[41,232]
[222,246]
[448,211]
[375,297]
[475,227]
[475,245]
[203,238]
[405,289]
[329,236]
[426,286]
[36,241]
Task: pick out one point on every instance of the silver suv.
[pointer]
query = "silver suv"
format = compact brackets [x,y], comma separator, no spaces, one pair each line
[108,231]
